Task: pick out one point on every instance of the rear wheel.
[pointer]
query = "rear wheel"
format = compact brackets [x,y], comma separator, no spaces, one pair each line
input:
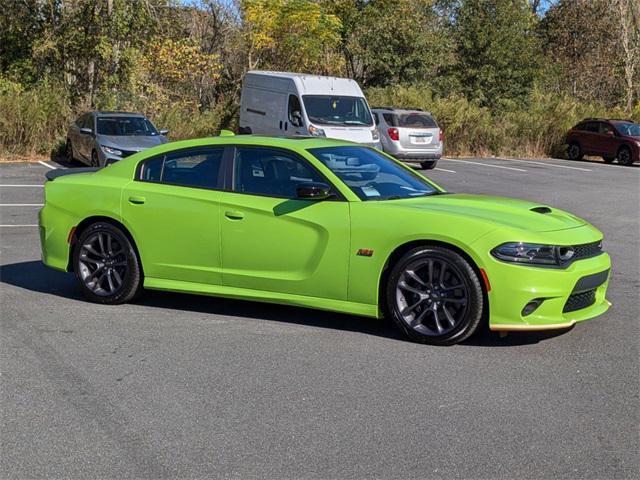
[574,152]
[107,265]
[430,165]
[624,156]
[434,296]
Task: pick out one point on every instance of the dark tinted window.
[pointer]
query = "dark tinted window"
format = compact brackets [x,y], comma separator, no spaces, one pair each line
[271,172]
[190,168]
[390,119]
[592,127]
[416,120]
[295,109]
[605,127]
[375,118]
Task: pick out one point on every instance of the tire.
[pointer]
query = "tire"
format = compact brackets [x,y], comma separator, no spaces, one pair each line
[574,151]
[625,156]
[431,305]
[608,159]
[69,152]
[95,161]
[105,250]
[430,165]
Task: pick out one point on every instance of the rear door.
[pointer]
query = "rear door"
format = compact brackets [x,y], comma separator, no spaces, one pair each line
[173,211]
[272,241]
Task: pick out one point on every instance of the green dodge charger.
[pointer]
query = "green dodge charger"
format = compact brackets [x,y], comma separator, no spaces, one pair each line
[325,224]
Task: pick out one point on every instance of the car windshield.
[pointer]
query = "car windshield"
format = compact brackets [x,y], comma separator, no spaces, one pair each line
[125,126]
[371,175]
[332,110]
[629,129]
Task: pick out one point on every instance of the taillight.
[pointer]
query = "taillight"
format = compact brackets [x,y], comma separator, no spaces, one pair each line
[394,134]
[441,136]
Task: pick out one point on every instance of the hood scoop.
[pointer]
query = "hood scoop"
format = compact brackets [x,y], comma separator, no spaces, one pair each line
[542,210]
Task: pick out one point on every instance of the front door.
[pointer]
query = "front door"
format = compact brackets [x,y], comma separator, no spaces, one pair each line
[275,243]
[173,211]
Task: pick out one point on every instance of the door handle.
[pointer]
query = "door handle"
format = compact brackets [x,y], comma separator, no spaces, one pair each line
[136,199]
[234,215]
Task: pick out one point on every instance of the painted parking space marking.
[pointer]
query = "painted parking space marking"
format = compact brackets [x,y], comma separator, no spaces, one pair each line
[46,165]
[546,164]
[21,186]
[486,165]
[444,170]
[21,204]
[19,226]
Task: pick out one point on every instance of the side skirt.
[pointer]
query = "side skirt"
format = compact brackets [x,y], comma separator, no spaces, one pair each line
[342,306]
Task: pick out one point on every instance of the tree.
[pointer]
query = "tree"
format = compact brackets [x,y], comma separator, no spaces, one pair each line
[387,42]
[497,50]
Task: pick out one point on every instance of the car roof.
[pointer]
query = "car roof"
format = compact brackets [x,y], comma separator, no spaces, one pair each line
[100,113]
[399,110]
[611,120]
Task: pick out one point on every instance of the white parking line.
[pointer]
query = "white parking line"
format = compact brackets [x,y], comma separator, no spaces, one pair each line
[16,226]
[21,204]
[46,165]
[485,164]
[546,164]
[444,170]
[24,186]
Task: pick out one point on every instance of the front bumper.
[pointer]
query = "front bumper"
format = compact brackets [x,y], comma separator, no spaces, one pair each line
[568,295]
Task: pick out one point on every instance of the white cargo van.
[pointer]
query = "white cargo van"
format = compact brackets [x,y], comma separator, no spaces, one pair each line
[292,104]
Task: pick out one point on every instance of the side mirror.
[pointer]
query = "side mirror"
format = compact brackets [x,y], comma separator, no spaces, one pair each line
[313,191]
[86,131]
[163,131]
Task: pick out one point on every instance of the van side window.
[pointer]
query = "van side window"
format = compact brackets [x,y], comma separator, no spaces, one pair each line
[295,111]
[196,167]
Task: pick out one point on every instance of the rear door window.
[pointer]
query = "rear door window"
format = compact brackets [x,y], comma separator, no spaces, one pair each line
[605,128]
[199,168]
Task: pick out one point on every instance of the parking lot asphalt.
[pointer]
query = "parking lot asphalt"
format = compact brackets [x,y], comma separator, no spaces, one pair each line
[198,387]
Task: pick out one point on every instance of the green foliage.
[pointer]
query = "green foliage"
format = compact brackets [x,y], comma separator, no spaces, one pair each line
[497,50]
[501,77]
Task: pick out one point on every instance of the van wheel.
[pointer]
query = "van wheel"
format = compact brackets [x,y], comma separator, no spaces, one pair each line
[244,130]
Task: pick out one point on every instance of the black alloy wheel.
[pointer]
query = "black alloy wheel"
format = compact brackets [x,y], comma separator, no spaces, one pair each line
[434,296]
[107,265]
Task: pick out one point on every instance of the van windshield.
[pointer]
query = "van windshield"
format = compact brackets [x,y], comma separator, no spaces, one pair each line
[337,110]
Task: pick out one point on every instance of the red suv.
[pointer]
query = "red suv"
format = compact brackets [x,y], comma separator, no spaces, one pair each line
[609,139]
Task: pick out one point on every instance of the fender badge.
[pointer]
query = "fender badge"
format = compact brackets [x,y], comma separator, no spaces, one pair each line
[365,252]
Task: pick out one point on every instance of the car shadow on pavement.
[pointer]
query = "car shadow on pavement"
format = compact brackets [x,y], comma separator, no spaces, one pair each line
[36,277]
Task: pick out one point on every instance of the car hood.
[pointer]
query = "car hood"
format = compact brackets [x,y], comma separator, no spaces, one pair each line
[132,142]
[501,211]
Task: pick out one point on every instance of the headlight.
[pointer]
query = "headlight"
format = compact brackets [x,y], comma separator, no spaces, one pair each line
[375,134]
[316,132]
[533,253]
[112,151]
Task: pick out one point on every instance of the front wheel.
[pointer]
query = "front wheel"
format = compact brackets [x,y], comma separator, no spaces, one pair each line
[95,161]
[107,265]
[434,296]
[624,156]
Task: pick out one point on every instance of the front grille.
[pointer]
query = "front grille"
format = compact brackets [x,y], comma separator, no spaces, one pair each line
[578,301]
[587,250]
